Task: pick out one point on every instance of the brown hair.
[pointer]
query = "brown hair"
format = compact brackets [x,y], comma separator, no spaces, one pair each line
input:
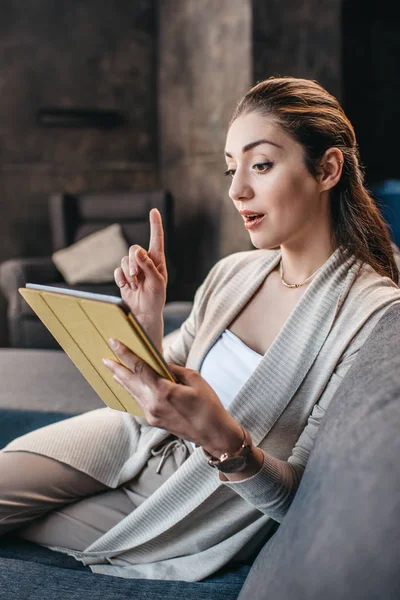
[315,119]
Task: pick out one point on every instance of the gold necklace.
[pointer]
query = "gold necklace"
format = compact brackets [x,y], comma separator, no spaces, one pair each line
[295,285]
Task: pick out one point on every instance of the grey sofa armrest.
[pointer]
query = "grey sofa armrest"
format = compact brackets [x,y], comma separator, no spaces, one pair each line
[15,272]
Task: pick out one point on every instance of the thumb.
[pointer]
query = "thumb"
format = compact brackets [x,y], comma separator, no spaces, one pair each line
[154,278]
[184,376]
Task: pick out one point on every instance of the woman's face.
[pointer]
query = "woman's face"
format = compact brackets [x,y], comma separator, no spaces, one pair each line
[270,179]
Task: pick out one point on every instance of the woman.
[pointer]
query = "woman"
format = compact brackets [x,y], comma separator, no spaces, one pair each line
[271,334]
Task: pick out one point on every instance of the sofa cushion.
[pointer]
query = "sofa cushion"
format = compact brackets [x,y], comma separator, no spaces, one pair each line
[93,258]
[341,536]
[15,548]
[32,581]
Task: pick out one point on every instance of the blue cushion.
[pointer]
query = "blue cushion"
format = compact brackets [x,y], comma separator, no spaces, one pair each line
[14,423]
[31,581]
[14,547]
[388,199]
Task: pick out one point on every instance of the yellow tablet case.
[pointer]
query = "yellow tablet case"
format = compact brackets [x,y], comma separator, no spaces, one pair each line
[83,327]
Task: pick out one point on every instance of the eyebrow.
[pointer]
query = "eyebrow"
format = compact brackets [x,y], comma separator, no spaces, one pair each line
[253,145]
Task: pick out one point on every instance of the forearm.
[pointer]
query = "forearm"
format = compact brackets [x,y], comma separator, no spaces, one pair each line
[267,483]
[154,327]
[157,333]
[272,489]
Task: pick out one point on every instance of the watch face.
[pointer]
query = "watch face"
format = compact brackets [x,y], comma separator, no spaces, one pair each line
[234,464]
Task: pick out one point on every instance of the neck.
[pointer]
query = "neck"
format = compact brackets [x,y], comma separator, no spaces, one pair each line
[300,263]
[310,247]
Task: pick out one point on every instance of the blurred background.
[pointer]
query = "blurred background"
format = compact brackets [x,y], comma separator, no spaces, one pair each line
[168,73]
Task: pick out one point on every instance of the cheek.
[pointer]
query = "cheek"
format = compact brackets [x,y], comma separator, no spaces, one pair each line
[299,182]
[289,200]
[280,190]
[286,189]
[298,188]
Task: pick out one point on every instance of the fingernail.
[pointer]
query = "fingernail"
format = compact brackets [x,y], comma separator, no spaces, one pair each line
[141,254]
[106,362]
[132,271]
[113,343]
[132,285]
[121,283]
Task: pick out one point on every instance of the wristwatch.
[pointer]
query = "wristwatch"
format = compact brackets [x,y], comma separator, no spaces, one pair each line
[235,462]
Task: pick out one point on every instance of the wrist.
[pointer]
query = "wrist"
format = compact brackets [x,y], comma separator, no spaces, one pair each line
[226,441]
[256,460]
[155,330]
[239,461]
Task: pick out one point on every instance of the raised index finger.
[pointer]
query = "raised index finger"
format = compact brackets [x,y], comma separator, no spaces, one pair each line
[156,246]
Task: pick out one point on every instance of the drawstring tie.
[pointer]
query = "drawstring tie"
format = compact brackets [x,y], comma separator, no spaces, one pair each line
[166,450]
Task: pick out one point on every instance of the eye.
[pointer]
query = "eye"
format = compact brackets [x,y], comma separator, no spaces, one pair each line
[230,172]
[262,167]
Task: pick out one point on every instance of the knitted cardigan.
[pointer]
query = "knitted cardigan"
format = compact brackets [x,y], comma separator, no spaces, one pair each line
[195,523]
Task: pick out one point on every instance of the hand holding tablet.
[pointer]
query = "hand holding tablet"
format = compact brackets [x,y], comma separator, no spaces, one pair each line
[82,323]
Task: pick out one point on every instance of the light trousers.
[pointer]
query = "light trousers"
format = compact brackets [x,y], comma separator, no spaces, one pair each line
[52,504]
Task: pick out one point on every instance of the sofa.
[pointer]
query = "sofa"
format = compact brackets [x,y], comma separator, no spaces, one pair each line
[339,540]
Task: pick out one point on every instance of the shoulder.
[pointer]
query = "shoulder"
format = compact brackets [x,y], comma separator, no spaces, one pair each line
[369,296]
[369,287]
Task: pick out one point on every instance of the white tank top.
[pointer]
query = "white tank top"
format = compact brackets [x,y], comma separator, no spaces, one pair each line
[228,365]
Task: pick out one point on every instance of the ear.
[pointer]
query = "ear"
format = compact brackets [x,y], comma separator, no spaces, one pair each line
[330,168]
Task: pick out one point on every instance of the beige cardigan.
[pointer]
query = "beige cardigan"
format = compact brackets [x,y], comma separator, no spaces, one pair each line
[194,524]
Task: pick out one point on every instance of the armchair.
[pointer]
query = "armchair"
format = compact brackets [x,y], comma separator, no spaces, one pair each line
[71,219]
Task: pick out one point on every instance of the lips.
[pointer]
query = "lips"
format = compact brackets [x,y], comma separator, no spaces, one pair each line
[252,221]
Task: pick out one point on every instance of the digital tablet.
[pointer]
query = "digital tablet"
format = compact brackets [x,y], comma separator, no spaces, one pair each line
[82,323]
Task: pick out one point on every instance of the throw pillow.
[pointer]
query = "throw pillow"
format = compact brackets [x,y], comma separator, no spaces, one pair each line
[94,258]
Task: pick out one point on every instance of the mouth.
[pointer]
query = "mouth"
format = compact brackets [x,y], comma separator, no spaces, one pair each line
[252,217]
[252,221]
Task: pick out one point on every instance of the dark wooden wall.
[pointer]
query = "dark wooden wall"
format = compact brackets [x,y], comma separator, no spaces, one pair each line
[90,53]
[301,39]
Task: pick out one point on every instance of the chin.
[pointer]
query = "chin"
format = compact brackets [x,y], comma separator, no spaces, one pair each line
[265,246]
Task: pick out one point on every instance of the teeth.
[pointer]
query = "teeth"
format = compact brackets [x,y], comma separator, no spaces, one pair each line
[252,217]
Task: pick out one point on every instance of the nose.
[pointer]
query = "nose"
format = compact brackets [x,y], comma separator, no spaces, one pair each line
[240,188]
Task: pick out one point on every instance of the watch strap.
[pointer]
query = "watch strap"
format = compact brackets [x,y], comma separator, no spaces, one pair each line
[239,459]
